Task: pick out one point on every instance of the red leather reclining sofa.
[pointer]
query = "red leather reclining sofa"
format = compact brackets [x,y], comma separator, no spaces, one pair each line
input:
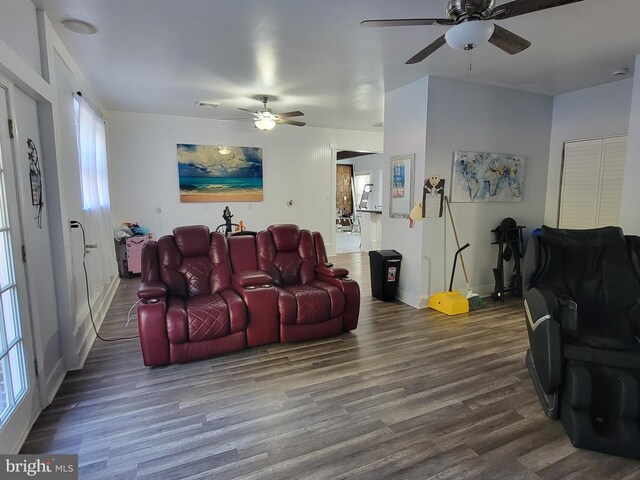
[203,294]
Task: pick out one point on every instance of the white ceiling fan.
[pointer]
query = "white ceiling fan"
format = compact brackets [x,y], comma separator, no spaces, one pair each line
[266,118]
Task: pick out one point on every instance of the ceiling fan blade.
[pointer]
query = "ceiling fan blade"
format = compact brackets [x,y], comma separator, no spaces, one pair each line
[247,110]
[508,41]
[428,50]
[520,7]
[297,113]
[406,22]
[241,119]
[291,122]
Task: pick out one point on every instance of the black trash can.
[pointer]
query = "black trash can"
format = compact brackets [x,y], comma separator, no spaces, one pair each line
[385,273]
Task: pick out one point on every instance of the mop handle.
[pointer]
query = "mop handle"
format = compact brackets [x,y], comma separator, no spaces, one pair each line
[455,234]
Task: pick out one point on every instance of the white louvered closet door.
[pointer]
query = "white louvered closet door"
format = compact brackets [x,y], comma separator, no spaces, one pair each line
[592,178]
[614,154]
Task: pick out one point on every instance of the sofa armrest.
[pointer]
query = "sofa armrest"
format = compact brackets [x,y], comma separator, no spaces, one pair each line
[351,291]
[149,290]
[545,335]
[152,326]
[328,270]
[252,278]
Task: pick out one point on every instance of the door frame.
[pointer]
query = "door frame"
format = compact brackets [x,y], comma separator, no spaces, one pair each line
[335,148]
[15,430]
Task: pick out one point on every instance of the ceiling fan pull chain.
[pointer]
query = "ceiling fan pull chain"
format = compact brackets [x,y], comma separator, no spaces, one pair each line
[466,85]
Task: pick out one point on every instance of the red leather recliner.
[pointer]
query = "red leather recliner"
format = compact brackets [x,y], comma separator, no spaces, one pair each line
[189,309]
[315,300]
[203,294]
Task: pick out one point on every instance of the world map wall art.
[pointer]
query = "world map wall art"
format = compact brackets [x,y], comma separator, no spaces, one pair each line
[487,177]
[215,173]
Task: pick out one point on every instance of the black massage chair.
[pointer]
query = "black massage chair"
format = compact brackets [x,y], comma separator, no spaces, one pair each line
[582,303]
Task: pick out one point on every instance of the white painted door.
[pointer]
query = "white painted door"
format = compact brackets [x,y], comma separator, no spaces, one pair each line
[18,402]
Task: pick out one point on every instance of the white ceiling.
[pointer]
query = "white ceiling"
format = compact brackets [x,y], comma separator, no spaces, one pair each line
[161,56]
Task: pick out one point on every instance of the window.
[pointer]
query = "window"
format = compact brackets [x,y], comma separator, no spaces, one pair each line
[92,153]
[94,182]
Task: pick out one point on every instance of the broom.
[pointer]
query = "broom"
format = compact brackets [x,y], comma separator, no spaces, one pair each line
[475,301]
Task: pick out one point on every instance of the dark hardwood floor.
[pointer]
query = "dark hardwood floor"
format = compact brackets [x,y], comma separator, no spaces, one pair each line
[409,394]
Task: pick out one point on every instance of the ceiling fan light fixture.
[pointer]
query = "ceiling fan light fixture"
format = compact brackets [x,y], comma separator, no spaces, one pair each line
[469,35]
[224,150]
[265,123]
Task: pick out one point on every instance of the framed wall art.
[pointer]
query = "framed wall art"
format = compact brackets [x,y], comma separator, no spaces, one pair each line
[487,177]
[402,180]
[215,173]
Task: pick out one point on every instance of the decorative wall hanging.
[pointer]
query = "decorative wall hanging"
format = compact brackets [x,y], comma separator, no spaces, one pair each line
[487,177]
[35,177]
[402,180]
[432,197]
[208,175]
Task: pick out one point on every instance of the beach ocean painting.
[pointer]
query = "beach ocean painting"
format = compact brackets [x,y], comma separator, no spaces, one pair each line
[206,175]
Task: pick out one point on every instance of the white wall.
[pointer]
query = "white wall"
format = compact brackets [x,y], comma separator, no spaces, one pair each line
[485,119]
[29,57]
[297,165]
[20,63]
[19,30]
[405,120]
[592,112]
[78,325]
[489,119]
[629,218]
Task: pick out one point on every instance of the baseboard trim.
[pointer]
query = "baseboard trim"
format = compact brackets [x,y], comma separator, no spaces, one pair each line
[23,437]
[100,307]
[53,382]
[410,298]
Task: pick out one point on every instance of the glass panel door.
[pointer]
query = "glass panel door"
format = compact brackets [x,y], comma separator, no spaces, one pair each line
[16,352]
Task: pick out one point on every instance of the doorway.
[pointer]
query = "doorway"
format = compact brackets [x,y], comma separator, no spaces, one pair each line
[347,221]
[17,374]
[362,231]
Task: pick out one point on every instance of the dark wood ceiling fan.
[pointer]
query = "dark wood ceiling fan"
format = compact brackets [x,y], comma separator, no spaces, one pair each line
[467,15]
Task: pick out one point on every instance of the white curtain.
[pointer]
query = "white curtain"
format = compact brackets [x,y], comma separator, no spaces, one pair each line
[92,154]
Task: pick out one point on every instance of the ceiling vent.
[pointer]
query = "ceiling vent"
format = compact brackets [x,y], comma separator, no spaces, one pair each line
[205,104]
